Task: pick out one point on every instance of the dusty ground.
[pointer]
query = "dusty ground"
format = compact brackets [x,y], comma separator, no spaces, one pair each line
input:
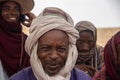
[103,34]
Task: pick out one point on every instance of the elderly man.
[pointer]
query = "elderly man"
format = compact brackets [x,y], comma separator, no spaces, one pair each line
[52,49]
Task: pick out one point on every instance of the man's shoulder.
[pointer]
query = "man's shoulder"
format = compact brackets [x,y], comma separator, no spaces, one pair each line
[77,74]
[24,74]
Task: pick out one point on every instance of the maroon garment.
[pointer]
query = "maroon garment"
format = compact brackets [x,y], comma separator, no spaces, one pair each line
[110,70]
[12,52]
[110,57]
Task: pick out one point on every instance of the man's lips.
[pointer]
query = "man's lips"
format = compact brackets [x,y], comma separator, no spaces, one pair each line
[12,18]
[53,66]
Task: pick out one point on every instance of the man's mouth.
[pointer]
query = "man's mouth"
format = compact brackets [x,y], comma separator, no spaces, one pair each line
[12,18]
[53,66]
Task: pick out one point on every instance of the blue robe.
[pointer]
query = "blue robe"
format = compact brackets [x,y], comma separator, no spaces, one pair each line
[27,74]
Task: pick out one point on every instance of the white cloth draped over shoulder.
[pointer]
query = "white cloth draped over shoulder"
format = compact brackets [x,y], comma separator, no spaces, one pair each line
[3,75]
[40,26]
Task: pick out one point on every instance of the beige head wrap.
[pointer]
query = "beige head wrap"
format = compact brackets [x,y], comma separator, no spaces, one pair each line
[57,11]
[86,25]
[40,26]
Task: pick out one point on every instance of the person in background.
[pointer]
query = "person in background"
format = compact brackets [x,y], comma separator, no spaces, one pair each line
[52,48]
[13,56]
[111,67]
[89,52]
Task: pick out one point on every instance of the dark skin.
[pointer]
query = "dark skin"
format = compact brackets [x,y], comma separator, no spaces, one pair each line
[85,42]
[28,21]
[53,51]
[11,13]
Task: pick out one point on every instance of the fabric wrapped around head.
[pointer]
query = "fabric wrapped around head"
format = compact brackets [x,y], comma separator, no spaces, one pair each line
[58,12]
[86,25]
[26,5]
[90,56]
[40,26]
[111,57]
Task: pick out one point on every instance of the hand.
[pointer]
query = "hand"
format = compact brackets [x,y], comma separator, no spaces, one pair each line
[86,68]
[28,21]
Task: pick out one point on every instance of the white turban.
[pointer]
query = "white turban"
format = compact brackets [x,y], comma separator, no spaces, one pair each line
[40,26]
[57,11]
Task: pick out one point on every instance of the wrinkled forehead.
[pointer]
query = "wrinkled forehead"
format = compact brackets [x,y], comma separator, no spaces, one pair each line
[57,32]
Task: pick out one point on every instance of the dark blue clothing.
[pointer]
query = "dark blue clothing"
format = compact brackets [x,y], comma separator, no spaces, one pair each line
[27,74]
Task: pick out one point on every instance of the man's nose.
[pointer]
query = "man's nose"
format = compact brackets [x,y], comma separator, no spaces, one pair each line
[54,55]
[85,47]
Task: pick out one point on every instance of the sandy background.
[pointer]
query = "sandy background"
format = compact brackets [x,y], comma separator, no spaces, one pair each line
[103,34]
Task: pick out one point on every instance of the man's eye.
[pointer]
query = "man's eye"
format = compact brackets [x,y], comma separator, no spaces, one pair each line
[5,8]
[17,9]
[62,49]
[79,42]
[91,42]
[44,48]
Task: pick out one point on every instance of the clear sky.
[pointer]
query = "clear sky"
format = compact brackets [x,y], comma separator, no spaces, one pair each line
[102,13]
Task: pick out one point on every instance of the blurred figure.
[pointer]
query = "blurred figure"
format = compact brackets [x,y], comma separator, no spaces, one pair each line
[89,53]
[52,48]
[13,56]
[111,68]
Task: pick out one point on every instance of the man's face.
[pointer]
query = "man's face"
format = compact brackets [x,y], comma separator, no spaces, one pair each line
[53,51]
[85,42]
[10,11]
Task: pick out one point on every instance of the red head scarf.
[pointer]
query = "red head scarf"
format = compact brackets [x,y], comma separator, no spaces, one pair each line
[12,53]
[110,57]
